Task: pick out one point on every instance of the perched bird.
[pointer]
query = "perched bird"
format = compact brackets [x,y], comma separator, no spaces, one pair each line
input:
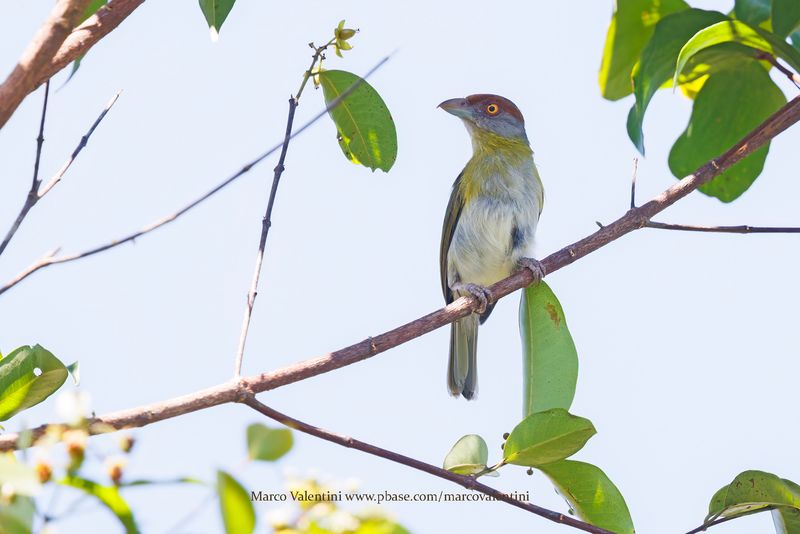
[490,221]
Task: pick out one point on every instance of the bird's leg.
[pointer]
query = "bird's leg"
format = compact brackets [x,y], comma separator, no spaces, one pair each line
[479,292]
[534,266]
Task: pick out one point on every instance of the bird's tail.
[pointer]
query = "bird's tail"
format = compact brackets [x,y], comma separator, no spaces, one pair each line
[462,371]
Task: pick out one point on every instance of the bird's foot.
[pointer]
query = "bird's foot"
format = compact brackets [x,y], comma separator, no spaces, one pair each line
[534,266]
[481,293]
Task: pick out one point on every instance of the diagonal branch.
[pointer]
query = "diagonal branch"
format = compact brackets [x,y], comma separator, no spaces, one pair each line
[632,220]
[51,259]
[57,44]
[468,482]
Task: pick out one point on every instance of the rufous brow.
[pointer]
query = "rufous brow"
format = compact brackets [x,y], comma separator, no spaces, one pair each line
[505,104]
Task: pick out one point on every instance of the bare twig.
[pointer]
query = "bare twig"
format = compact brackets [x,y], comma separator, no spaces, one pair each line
[266,221]
[468,482]
[57,44]
[461,307]
[37,192]
[793,76]
[41,50]
[740,229]
[48,260]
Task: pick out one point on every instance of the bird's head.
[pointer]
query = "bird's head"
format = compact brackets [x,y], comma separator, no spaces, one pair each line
[488,114]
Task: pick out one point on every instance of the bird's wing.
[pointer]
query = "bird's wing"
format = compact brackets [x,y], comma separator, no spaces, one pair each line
[454,207]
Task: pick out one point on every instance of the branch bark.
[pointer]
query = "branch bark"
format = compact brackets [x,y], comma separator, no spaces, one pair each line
[632,220]
[468,482]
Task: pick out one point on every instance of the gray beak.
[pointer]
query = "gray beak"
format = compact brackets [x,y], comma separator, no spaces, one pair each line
[457,106]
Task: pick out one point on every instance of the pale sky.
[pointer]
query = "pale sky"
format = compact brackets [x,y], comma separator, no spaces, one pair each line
[688,343]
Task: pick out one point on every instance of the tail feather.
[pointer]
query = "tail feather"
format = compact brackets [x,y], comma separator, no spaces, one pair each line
[462,370]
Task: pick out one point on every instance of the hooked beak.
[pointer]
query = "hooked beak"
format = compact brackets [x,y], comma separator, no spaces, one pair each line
[457,106]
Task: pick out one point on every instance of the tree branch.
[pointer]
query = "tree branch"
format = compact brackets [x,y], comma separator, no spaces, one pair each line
[50,259]
[37,192]
[632,220]
[740,229]
[468,482]
[57,44]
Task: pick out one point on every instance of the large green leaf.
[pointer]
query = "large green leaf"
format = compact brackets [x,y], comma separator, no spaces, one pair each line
[366,130]
[468,456]
[215,12]
[631,26]
[714,127]
[16,517]
[28,375]
[657,63]
[756,491]
[238,515]
[752,11]
[109,496]
[739,32]
[550,361]
[267,444]
[545,437]
[590,494]
[785,17]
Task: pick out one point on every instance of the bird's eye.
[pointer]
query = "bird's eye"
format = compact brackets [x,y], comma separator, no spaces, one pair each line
[492,109]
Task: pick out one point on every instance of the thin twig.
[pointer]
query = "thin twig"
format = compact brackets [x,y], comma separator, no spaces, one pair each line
[465,481]
[740,229]
[37,192]
[32,197]
[47,261]
[461,307]
[633,182]
[793,76]
[715,522]
[266,221]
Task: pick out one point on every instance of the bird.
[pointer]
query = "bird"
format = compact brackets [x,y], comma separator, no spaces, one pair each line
[489,224]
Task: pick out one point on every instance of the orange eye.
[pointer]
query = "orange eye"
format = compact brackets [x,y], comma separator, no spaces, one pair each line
[492,109]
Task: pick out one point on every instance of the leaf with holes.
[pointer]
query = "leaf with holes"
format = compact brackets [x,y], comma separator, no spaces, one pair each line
[757,491]
[267,444]
[365,128]
[550,360]
[28,375]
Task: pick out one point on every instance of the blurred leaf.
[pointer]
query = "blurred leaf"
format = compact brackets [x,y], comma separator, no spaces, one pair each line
[366,130]
[758,491]
[735,31]
[730,105]
[238,515]
[468,456]
[109,496]
[590,494]
[550,361]
[18,478]
[631,26]
[268,444]
[545,437]
[379,525]
[75,372]
[16,517]
[148,482]
[27,377]
[752,12]
[657,63]
[215,12]
[785,17]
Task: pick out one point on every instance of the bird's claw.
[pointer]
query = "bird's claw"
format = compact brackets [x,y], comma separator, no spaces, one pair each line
[481,293]
[534,266]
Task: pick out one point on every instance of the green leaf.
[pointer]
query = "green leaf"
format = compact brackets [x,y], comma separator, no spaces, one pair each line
[590,494]
[657,63]
[714,127]
[752,11]
[27,377]
[550,361]
[545,437]
[379,525]
[268,444]
[75,372]
[18,478]
[366,130]
[16,517]
[468,456]
[631,26]
[739,32]
[109,496]
[750,491]
[795,37]
[215,12]
[238,515]
[785,17]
